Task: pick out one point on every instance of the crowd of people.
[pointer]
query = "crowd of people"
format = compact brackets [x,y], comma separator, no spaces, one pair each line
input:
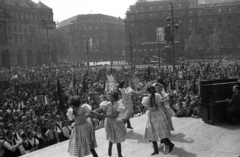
[34,101]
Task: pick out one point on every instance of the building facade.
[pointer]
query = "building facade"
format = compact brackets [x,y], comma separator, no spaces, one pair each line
[106,33]
[145,18]
[16,20]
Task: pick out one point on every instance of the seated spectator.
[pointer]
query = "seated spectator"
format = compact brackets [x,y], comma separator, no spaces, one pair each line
[66,129]
[40,137]
[52,135]
[2,150]
[11,146]
[32,142]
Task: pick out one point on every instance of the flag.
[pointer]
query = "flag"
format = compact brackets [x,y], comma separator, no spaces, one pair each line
[194,85]
[148,72]
[49,84]
[84,85]
[59,95]
[72,91]
[74,81]
[199,86]
[99,74]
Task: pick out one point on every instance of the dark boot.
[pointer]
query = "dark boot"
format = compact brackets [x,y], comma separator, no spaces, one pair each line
[155,147]
[110,148]
[119,149]
[170,144]
[93,152]
[129,124]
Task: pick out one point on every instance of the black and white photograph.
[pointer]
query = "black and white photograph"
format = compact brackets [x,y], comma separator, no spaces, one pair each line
[119,78]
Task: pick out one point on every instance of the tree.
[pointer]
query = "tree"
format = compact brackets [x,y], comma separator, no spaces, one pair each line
[60,43]
[35,45]
[214,40]
[34,39]
[193,43]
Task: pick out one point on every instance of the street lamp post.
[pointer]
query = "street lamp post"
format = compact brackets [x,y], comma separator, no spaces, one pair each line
[110,55]
[170,33]
[159,60]
[45,22]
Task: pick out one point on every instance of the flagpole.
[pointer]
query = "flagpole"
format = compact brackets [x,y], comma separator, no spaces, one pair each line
[159,60]
[110,53]
[87,55]
[131,59]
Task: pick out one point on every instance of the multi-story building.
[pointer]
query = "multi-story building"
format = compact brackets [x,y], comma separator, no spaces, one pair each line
[147,19]
[16,19]
[107,35]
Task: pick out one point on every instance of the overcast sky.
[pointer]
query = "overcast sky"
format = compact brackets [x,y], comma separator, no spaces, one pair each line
[63,9]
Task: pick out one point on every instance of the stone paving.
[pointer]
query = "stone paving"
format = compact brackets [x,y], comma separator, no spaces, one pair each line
[192,138]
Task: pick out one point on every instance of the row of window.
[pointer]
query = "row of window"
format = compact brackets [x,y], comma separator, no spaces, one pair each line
[210,27]
[179,6]
[210,19]
[16,39]
[22,16]
[159,14]
[159,7]
[19,28]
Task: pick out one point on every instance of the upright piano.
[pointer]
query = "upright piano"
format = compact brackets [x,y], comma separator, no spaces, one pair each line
[213,99]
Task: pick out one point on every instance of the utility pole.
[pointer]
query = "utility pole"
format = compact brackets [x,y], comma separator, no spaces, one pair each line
[130,41]
[49,55]
[159,60]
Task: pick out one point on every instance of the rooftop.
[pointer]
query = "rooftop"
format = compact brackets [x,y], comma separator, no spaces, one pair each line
[90,18]
[24,4]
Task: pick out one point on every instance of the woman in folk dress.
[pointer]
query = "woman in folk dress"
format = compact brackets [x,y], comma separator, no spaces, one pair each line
[115,129]
[125,104]
[165,101]
[157,127]
[82,140]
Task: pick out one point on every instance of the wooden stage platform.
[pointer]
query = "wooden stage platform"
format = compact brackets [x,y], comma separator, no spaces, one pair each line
[192,138]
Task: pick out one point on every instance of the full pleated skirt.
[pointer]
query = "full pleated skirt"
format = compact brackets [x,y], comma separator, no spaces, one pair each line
[169,113]
[157,126]
[116,131]
[82,139]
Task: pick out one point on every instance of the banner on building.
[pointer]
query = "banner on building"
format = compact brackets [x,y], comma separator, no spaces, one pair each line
[160,33]
[90,46]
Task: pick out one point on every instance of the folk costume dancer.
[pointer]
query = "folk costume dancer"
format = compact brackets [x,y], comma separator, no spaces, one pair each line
[168,111]
[157,127]
[126,105]
[82,140]
[115,129]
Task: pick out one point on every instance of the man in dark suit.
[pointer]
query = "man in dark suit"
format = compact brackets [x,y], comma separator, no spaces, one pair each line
[234,102]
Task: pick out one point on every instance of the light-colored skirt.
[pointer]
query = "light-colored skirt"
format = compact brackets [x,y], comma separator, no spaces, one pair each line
[82,139]
[116,131]
[125,109]
[157,126]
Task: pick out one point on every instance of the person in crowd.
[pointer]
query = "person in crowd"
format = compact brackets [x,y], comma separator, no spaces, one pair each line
[157,127]
[59,128]
[234,107]
[82,140]
[2,150]
[115,130]
[11,146]
[32,142]
[42,141]
[66,129]
[52,135]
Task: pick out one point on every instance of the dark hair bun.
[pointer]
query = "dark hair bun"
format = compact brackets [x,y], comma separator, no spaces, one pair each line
[121,84]
[75,101]
[151,89]
[114,94]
